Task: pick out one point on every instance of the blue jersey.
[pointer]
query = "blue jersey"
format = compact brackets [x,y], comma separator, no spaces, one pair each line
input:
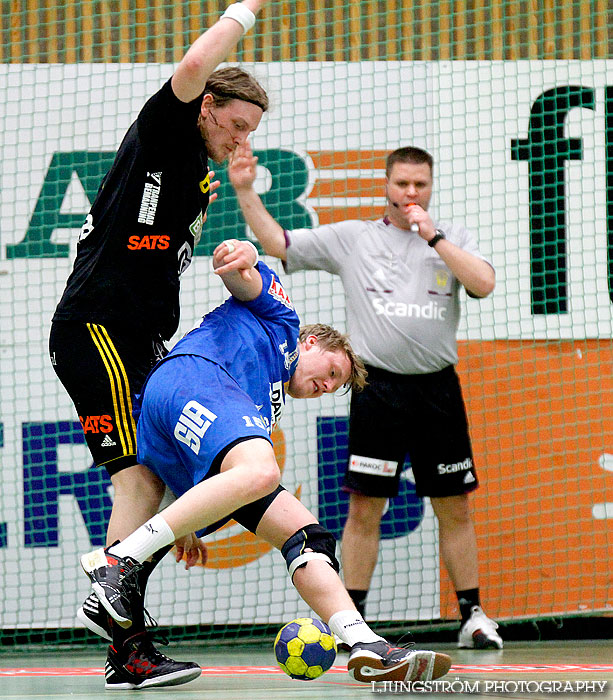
[255,342]
[224,382]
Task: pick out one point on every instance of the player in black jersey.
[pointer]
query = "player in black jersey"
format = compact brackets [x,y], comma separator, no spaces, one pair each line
[121,300]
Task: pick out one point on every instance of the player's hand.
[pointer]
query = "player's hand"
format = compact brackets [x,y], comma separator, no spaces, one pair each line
[416,215]
[242,167]
[234,256]
[191,549]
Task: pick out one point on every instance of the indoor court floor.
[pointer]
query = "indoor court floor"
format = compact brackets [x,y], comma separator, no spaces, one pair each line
[522,670]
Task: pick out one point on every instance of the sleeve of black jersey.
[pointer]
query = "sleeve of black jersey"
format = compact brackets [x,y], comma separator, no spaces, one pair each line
[166,123]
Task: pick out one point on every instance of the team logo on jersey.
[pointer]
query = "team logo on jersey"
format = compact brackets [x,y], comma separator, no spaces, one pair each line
[150,198]
[195,228]
[193,423]
[184,257]
[205,185]
[148,242]
[87,227]
[441,280]
[288,357]
[276,290]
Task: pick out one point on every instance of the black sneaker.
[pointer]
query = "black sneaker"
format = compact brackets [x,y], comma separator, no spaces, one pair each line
[140,665]
[95,617]
[114,581]
[97,620]
[380,661]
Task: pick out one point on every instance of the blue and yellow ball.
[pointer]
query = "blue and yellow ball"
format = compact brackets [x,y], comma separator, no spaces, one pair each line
[305,648]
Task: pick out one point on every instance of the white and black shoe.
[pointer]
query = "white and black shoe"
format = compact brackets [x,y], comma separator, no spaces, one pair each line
[114,581]
[380,661]
[479,632]
[140,665]
[95,617]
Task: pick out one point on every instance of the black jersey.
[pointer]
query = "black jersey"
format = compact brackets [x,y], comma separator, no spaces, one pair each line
[143,227]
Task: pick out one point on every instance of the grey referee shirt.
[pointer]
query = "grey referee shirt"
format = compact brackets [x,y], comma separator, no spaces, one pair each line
[402,300]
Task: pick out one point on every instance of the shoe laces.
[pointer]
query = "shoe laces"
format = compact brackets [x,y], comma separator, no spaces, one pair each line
[403,643]
[128,574]
[146,648]
[128,580]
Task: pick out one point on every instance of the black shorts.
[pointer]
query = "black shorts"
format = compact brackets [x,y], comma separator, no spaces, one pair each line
[421,417]
[102,368]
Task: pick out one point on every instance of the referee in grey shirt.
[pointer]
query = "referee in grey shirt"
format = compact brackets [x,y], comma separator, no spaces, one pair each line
[402,276]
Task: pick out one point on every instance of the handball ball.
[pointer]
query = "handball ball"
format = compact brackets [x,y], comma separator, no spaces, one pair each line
[305,648]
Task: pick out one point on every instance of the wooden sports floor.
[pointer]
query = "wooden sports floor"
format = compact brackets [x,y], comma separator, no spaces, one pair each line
[521,671]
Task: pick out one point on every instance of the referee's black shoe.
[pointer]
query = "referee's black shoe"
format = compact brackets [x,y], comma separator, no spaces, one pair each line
[138,665]
[114,581]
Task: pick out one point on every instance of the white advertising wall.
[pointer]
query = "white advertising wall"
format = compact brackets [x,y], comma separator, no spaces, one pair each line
[466,114]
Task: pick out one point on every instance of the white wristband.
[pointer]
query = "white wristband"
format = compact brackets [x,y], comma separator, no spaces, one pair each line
[255,250]
[241,14]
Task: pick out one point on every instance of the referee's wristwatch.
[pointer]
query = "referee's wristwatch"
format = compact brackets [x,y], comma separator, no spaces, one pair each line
[438,236]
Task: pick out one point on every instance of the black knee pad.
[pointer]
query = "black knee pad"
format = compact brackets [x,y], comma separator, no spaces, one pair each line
[317,540]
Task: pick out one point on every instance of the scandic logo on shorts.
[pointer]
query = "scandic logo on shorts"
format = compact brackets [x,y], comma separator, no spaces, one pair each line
[457,467]
[370,465]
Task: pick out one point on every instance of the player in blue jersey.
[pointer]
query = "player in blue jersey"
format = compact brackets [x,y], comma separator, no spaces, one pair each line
[206,414]
[403,276]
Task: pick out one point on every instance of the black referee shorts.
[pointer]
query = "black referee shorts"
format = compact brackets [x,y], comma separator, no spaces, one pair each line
[421,416]
[102,368]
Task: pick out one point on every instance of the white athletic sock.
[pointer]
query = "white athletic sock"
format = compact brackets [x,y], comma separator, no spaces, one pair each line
[349,625]
[145,541]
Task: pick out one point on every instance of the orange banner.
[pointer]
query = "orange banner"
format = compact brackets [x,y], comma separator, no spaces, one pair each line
[542,426]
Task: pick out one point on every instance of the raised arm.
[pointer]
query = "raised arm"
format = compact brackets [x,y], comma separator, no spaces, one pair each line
[234,261]
[242,171]
[476,275]
[211,48]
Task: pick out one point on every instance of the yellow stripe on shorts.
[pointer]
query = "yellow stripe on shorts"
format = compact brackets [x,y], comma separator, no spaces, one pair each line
[120,387]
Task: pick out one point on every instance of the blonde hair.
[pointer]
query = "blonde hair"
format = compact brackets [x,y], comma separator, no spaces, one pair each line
[234,83]
[330,339]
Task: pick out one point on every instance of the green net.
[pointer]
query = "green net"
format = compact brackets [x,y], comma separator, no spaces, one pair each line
[512,100]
